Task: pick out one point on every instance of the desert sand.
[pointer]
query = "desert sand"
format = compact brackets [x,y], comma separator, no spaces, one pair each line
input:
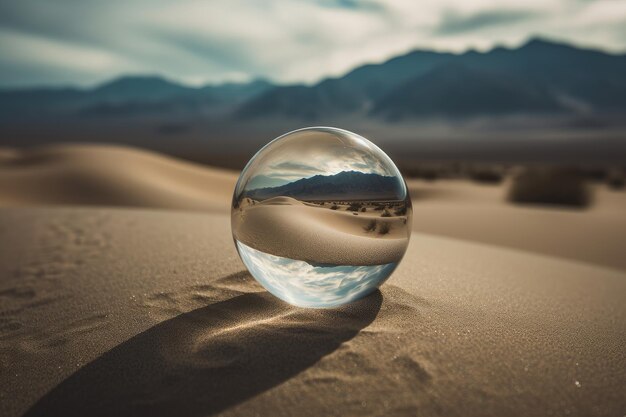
[114,311]
[108,175]
[480,213]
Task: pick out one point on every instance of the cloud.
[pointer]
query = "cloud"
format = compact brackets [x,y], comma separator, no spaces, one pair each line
[306,285]
[453,23]
[296,41]
[311,153]
[294,169]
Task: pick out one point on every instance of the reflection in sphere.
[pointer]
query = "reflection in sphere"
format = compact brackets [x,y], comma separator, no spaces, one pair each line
[321,217]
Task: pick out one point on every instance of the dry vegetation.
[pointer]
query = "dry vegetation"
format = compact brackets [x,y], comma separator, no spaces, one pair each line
[548,185]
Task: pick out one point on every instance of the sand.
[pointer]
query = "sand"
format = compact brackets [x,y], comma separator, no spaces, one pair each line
[133,312]
[106,175]
[480,213]
[121,176]
[286,227]
[114,311]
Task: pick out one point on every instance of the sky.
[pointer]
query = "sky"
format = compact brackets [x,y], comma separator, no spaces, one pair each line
[85,42]
[306,285]
[311,152]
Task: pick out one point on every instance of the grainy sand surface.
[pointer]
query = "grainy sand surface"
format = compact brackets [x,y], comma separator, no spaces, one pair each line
[132,312]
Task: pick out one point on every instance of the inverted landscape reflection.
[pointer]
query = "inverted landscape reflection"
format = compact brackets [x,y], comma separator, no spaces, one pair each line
[306,285]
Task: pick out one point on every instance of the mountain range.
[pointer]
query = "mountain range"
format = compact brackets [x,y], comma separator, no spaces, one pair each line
[345,185]
[539,77]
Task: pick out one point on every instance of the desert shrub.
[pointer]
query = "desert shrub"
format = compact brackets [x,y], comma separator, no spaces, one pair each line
[385,213]
[549,185]
[370,226]
[334,207]
[615,179]
[379,207]
[363,210]
[384,228]
[401,211]
[355,206]
[615,183]
[595,173]
[355,213]
[427,173]
[486,175]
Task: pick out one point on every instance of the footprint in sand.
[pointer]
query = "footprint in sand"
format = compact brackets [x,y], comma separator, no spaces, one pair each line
[61,335]
[57,253]
[165,305]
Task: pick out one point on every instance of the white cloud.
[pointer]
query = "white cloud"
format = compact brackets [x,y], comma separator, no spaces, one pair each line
[295,41]
[305,285]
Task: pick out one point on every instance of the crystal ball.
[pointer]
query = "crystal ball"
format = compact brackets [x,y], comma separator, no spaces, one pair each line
[321,217]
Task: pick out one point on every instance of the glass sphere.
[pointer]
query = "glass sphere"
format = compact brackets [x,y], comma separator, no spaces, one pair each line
[321,217]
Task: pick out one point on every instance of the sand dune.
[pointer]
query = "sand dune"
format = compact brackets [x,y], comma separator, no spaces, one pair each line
[141,313]
[286,227]
[110,176]
[119,176]
[480,213]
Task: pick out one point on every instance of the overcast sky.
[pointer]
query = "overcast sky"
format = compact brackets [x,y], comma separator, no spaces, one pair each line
[84,42]
[316,153]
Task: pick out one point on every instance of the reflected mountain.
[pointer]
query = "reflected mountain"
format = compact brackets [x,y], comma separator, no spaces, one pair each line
[357,185]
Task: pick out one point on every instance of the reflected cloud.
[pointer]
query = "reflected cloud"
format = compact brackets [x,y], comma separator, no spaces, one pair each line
[306,285]
[311,158]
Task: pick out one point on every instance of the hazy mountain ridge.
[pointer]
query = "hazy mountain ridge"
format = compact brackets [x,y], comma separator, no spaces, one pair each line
[345,185]
[538,77]
[128,96]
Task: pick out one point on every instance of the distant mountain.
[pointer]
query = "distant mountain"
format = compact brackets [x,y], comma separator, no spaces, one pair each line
[355,92]
[127,96]
[456,91]
[346,185]
[540,76]
[139,88]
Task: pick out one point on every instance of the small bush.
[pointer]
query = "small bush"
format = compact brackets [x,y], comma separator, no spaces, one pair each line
[615,180]
[334,207]
[363,210]
[400,211]
[386,213]
[615,183]
[355,206]
[426,173]
[549,185]
[384,228]
[371,226]
[486,175]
